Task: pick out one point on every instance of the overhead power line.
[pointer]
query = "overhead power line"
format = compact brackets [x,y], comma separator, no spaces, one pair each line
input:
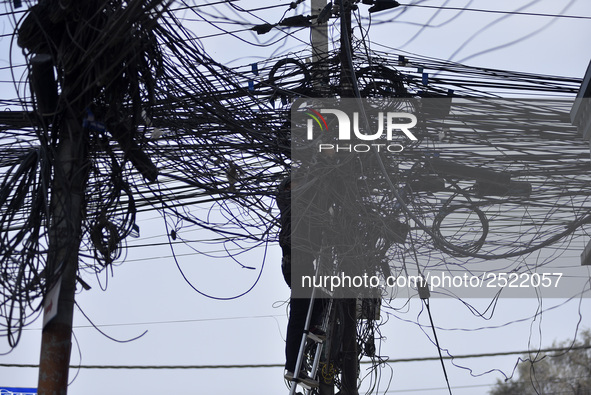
[171,321]
[279,365]
[499,12]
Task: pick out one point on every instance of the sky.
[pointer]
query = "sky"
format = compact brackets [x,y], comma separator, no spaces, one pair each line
[146,295]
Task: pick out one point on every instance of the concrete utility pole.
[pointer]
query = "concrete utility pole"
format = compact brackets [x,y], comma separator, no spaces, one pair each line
[62,119]
[320,74]
[349,346]
[67,209]
[319,41]
[346,50]
[319,34]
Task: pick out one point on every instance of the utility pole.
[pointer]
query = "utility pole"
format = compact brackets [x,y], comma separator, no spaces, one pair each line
[67,208]
[320,81]
[346,50]
[320,51]
[70,36]
[319,41]
[349,344]
[319,34]
[66,143]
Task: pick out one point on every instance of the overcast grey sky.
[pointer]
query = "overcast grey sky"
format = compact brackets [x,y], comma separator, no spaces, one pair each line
[147,293]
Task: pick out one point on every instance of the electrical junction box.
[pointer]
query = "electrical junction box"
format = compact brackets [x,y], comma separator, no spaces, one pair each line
[369,308]
[586,255]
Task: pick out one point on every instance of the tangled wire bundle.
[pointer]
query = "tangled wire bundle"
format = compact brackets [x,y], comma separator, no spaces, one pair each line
[167,128]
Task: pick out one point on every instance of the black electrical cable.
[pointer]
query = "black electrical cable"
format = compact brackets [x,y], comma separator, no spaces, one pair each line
[219,138]
[520,13]
[426,302]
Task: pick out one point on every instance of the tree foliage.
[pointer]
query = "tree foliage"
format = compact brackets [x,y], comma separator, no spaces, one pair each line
[559,372]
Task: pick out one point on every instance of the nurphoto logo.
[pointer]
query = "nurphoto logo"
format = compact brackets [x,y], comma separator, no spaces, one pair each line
[352,125]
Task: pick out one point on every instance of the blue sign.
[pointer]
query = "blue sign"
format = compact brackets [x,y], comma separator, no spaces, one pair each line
[17,391]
